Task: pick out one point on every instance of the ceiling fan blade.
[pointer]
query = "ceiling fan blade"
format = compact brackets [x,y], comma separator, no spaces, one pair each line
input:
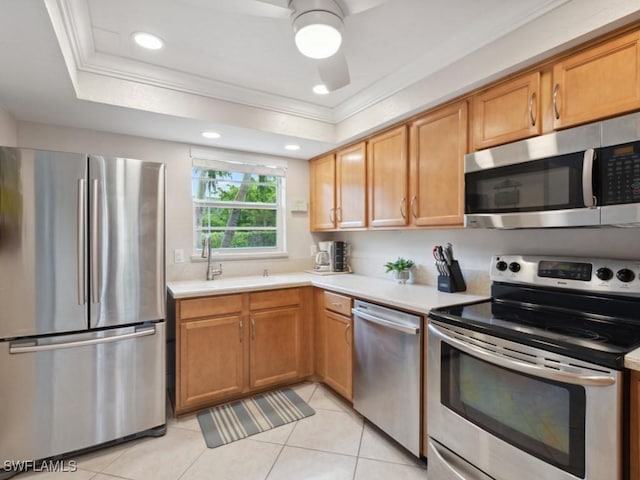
[255,8]
[351,7]
[334,71]
[277,3]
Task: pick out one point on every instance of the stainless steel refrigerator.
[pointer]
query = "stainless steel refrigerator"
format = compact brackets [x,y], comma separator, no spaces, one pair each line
[82,301]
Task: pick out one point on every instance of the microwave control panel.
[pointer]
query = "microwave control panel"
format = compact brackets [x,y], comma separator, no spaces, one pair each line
[620,174]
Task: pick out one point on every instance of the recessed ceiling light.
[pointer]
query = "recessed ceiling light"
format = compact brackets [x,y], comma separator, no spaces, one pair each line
[320,89]
[292,147]
[210,134]
[147,40]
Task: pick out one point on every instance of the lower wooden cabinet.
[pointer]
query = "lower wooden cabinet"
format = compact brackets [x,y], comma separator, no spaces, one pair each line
[275,346]
[634,430]
[211,360]
[230,345]
[334,341]
[339,353]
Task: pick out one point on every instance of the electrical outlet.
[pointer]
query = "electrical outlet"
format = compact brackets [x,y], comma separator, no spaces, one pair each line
[178,255]
[313,249]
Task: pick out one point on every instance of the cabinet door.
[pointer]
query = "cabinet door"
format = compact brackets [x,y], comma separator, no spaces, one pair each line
[322,193]
[634,430]
[210,360]
[351,195]
[274,354]
[438,144]
[387,175]
[599,82]
[507,112]
[338,353]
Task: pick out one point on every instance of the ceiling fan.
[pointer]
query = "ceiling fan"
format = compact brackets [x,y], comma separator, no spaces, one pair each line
[317,24]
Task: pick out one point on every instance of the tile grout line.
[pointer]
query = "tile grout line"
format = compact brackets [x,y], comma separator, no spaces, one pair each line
[355,470]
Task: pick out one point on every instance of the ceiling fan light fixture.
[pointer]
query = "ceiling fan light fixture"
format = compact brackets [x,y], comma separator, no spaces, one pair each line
[318,33]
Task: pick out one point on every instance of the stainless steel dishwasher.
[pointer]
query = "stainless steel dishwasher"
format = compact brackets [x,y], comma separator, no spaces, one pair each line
[386,383]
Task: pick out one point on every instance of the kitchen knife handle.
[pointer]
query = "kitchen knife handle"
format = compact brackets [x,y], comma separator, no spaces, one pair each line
[81,240]
[95,254]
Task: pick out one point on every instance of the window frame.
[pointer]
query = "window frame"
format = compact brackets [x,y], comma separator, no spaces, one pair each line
[238,162]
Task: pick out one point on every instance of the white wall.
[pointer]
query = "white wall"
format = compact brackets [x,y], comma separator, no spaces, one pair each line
[178,203]
[8,129]
[474,248]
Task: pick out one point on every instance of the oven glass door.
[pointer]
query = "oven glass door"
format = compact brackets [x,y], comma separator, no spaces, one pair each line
[535,186]
[542,417]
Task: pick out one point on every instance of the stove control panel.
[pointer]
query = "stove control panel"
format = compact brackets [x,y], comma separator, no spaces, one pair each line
[620,277]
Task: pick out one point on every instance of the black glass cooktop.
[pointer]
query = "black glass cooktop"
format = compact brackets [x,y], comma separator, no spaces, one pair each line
[593,329]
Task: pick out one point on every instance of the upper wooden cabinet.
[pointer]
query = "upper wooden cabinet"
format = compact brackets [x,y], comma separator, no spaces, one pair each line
[322,190]
[438,145]
[596,83]
[387,178]
[507,112]
[338,192]
[351,194]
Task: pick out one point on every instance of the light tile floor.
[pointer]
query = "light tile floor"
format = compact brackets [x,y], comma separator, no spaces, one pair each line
[334,444]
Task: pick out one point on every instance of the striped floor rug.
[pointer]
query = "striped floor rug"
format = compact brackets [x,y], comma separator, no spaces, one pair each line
[233,421]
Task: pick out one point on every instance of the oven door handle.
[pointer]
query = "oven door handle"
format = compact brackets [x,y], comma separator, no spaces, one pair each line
[586,380]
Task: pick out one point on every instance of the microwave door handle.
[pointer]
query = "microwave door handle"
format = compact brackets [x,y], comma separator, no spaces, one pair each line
[585,379]
[587,178]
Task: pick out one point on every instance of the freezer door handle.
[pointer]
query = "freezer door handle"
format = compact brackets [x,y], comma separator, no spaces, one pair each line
[81,241]
[95,254]
[33,346]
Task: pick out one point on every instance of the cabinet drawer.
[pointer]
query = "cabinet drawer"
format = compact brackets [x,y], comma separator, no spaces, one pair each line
[210,306]
[337,303]
[274,298]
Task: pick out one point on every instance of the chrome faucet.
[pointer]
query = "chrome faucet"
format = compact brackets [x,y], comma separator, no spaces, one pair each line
[211,270]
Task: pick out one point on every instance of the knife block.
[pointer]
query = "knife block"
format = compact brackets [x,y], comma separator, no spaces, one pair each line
[454,282]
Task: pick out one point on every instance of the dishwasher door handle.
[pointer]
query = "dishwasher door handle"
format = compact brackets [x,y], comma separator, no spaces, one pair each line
[386,323]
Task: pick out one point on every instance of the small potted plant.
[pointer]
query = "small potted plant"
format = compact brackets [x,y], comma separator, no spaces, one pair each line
[401,269]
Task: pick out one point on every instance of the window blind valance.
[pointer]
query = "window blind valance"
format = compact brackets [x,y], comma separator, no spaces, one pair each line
[243,162]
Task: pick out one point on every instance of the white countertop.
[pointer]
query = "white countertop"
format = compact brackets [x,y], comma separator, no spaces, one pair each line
[632,360]
[415,298]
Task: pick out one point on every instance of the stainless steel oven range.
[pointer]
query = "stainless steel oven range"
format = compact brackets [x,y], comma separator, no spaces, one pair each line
[529,385]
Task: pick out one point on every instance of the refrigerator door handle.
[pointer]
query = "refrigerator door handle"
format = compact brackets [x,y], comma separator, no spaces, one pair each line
[81,241]
[32,346]
[95,253]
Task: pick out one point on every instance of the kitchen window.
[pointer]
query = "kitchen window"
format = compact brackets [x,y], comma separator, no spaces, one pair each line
[238,203]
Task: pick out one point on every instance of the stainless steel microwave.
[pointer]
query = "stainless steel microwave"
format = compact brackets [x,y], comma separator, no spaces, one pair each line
[584,176]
